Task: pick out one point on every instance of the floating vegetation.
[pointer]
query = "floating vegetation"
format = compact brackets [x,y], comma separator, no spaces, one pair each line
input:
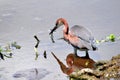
[36,53]
[36,50]
[6,50]
[36,46]
[14,44]
[110,38]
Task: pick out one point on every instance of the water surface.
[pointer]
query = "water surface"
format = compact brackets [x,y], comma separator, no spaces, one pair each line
[20,20]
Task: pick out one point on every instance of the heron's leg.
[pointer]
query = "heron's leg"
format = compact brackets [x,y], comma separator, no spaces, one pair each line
[75,52]
[87,55]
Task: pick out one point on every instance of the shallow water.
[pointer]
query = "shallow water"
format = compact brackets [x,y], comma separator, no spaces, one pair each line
[21,20]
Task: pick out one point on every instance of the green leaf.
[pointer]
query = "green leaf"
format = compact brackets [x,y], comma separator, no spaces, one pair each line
[36,53]
[1,49]
[112,37]
[14,44]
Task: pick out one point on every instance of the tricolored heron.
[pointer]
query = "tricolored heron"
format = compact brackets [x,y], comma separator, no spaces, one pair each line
[78,36]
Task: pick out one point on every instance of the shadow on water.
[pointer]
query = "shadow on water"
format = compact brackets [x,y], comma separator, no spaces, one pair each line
[32,74]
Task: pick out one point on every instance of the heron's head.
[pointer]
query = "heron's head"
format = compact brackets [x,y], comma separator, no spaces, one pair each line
[58,23]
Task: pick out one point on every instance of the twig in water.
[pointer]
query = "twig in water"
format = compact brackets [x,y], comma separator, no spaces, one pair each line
[38,41]
[36,46]
[45,55]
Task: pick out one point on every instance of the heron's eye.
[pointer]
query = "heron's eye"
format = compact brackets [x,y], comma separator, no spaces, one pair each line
[59,23]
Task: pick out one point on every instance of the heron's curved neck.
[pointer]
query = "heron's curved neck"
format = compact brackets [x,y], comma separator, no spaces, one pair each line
[66,31]
[66,28]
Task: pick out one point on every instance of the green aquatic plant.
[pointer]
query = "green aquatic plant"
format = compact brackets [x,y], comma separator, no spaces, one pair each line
[14,44]
[109,38]
[36,49]
[6,50]
[36,53]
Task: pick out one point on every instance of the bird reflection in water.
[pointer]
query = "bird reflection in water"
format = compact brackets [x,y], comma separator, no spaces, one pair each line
[74,63]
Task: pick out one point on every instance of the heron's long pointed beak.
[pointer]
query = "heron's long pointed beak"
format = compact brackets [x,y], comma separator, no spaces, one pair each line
[53,29]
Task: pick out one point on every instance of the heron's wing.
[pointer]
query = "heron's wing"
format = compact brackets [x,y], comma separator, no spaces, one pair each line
[83,33]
